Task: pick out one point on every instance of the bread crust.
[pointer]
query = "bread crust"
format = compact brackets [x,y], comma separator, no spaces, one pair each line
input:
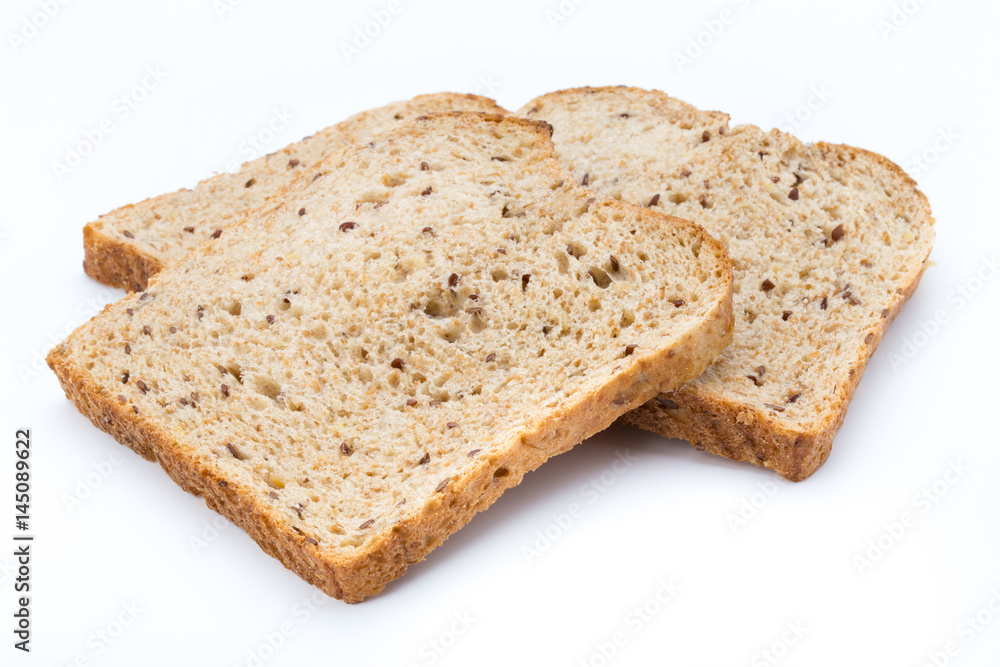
[354,577]
[109,260]
[743,431]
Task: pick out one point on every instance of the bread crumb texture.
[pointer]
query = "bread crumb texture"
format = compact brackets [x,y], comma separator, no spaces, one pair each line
[354,370]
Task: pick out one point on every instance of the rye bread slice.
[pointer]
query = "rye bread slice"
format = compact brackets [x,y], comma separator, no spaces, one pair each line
[376,355]
[827,243]
[125,247]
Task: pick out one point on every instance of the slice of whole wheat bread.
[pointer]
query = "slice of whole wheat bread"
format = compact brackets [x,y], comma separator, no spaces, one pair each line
[827,243]
[125,247]
[375,355]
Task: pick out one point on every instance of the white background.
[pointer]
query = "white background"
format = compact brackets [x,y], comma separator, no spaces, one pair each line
[927,402]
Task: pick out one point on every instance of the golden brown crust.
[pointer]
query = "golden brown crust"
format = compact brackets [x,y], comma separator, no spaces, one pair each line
[356,576]
[113,262]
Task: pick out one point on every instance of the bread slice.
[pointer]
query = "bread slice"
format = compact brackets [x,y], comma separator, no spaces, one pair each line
[373,357]
[827,243]
[128,245]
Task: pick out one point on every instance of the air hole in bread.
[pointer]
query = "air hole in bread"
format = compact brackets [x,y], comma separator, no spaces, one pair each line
[601,278]
[373,197]
[439,307]
[267,387]
[235,370]
[453,333]
[576,249]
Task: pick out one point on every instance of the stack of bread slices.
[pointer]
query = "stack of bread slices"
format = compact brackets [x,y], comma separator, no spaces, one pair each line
[351,346]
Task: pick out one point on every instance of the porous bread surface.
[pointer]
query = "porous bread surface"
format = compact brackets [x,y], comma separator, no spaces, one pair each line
[826,241]
[373,357]
[125,247]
